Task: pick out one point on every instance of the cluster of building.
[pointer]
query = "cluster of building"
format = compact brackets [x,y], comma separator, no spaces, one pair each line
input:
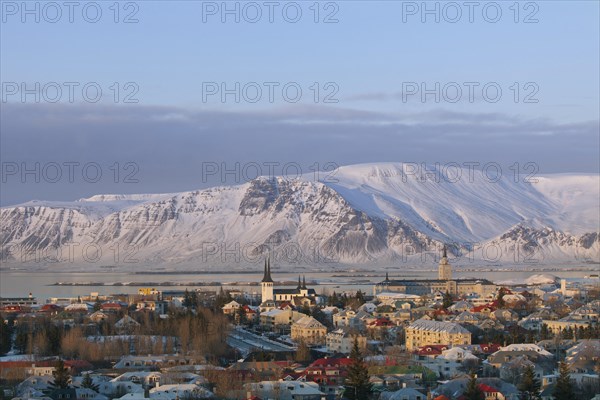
[420,339]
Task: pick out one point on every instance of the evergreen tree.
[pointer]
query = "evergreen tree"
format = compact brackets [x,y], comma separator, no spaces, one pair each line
[334,300]
[88,383]
[302,352]
[564,389]
[500,298]
[320,316]
[22,341]
[242,319]
[357,386]
[447,302]
[529,388]
[53,338]
[305,309]
[544,332]
[194,299]
[97,304]
[5,336]
[222,299]
[187,301]
[473,392]
[360,297]
[61,376]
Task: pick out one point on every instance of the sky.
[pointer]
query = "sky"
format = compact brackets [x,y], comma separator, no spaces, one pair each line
[189,85]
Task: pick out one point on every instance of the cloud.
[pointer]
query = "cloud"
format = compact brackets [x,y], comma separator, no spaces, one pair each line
[169,145]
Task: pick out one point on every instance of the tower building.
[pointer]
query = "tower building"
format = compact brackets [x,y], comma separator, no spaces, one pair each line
[267,282]
[444,268]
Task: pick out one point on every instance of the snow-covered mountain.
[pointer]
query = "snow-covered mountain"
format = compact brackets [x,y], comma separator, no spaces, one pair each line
[376,214]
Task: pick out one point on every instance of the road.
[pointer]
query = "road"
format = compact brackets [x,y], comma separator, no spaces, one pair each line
[246,341]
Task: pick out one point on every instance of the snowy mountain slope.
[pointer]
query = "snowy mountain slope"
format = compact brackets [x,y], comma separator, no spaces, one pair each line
[371,213]
[461,205]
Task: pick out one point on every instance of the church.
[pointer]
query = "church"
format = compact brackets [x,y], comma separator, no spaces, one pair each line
[444,283]
[300,295]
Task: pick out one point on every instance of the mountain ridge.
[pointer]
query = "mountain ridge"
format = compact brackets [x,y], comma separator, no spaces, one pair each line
[368,213]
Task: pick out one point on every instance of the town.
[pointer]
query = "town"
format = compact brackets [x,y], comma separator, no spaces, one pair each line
[442,338]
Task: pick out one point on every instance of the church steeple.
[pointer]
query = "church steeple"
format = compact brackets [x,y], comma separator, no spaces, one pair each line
[387,277]
[299,284]
[304,282]
[444,268]
[267,274]
[267,282]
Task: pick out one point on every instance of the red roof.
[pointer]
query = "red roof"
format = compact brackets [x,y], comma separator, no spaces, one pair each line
[50,307]
[383,321]
[489,348]
[77,364]
[433,349]
[326,362]
[442,397]
[111,306]
[487,389]
[12,308]
[491,307]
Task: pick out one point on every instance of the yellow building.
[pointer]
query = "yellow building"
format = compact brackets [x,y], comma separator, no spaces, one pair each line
[277,319]
[309,331]
[424,332]
[557,327]
[444,283]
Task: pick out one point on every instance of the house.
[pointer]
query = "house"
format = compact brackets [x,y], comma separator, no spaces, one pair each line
[180,391]
[308,330]
[284,390]
[63,394]
[144,378]
[88,394]
[379,326]
[98,316]
[342,341]
[493,388]
[34,384]
[231,307]
[403,394]
[495,361]
[277,319]
[587,312]
[466,317]
[75,308]
[126,325]
[444,368]
[112,307]
[349,318]
[429,351]
[505,315]
[584,357]
[329,373]
[460,306]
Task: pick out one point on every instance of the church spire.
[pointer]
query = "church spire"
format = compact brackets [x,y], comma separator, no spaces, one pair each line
[304,282]
[387,277]
[267,274]
[444,254]
[299,284]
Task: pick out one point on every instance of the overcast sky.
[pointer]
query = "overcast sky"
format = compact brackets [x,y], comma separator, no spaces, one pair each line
[370,81]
